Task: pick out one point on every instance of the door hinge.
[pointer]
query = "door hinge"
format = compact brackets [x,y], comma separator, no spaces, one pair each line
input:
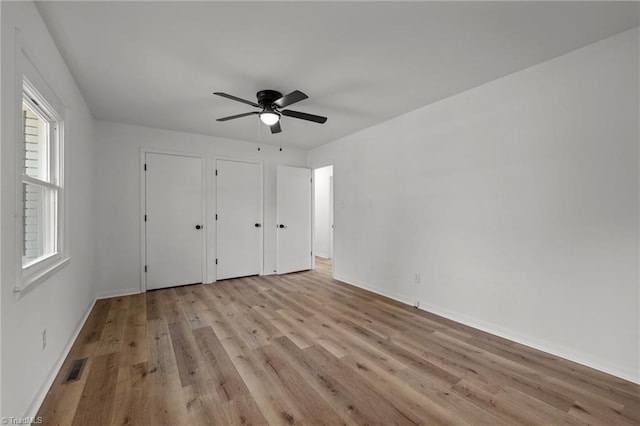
[216,261]
[145,167]
[145,268]
[216,216]
[145,217]
[216,172]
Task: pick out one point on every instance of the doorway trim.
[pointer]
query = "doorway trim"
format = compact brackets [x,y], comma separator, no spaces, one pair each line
[332,215]
[143,200]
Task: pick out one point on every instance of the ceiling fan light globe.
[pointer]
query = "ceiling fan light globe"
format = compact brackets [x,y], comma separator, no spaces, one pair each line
[269,118]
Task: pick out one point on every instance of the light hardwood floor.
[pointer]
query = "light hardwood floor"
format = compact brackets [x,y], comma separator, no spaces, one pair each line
[306,349]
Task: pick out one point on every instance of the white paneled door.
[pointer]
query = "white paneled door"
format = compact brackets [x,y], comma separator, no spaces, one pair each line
[174,220]
[293,186]
[239,219]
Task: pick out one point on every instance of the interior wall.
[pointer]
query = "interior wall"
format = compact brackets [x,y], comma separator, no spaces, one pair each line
[322,211]
[59,303]
[516,203]
[118,189]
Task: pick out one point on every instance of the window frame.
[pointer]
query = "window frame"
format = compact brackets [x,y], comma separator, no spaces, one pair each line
[33,90]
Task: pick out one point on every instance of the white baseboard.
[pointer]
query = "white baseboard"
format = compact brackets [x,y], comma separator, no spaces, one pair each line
[33,408]
[539,344]
[117,293]
[378,290]
[532,342]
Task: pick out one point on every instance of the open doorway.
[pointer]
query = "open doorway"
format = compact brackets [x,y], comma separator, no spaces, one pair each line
[323,214]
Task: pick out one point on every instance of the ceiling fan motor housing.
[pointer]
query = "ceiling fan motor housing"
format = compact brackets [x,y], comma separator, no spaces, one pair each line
[266,98]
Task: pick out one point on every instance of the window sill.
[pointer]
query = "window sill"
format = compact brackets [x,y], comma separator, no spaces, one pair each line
[32,280]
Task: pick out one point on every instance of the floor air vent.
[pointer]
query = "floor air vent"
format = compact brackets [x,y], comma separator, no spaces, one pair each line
[75,372]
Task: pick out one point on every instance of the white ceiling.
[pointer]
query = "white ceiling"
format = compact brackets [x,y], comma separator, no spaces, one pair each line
[157,63]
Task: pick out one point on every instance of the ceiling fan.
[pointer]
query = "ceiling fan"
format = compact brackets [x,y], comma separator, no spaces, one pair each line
[271,103]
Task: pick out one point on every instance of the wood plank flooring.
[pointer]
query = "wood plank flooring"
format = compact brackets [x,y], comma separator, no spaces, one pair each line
[306,349]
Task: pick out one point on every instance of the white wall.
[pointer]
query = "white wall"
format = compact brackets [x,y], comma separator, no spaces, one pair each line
[59,303]
[516,202]
[118,188]
[322,211]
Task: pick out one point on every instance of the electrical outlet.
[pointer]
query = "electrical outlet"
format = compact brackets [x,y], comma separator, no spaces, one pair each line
[44,338]
[416,278]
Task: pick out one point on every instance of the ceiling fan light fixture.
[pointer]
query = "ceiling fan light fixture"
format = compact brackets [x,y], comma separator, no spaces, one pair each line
[269,117]
[271,103]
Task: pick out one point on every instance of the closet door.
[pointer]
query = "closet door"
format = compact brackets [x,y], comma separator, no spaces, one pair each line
[174,220]
[294,218]
[239,219]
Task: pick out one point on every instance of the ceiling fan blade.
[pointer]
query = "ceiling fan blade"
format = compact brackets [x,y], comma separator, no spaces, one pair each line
[291,98]
[235,98]
[304,116]
[232,117]
[275,128]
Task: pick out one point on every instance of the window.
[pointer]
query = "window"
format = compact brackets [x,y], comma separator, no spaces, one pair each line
[40,196]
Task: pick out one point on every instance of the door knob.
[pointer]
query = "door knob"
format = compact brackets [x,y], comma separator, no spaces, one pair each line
[198,226]
[257,225]
[281,226]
